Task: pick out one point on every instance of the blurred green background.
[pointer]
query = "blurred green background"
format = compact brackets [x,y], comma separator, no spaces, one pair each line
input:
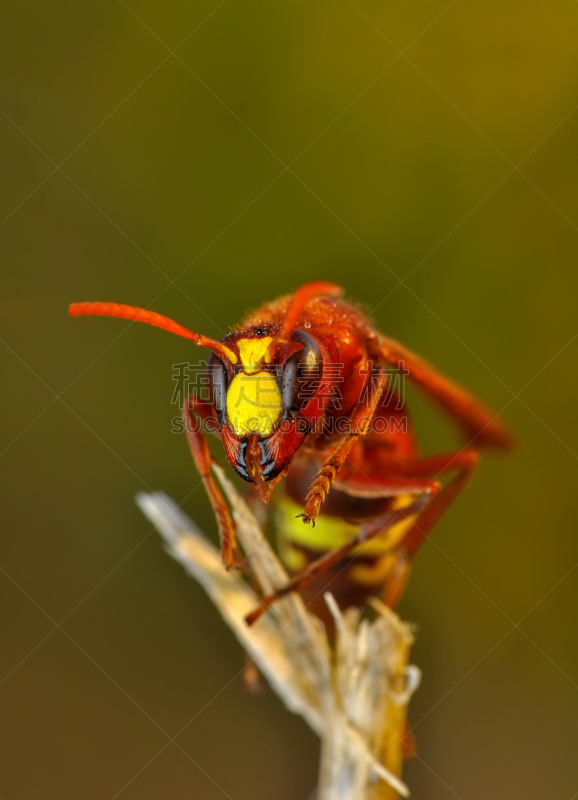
[201,159]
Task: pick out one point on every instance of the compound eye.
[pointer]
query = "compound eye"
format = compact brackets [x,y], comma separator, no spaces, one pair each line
[300,372]
[218,381]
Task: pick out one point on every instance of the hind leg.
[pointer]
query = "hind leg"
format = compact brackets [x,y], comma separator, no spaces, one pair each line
[366,533]
[464,463]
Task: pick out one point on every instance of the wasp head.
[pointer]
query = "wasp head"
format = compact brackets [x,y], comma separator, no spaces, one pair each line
[263,383]
[267,400]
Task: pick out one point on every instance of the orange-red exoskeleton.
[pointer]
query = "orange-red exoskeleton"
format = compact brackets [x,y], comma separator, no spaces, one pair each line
[305,391]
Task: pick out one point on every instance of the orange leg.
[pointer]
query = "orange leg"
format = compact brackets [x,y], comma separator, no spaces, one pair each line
[366,533]
[413,470]
[359,423]
[479,424]
[435,466]
[194,410]
[464,463]
[429,507]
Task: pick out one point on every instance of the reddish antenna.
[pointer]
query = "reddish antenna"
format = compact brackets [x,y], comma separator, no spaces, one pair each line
[151,318]
[300,299]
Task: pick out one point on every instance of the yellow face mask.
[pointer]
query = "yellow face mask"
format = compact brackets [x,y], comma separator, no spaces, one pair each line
[254,401]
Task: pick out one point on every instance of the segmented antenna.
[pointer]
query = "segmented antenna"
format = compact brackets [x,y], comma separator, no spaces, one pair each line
[151,318]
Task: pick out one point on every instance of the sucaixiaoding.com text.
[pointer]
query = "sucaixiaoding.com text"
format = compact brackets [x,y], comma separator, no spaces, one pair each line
[316,386]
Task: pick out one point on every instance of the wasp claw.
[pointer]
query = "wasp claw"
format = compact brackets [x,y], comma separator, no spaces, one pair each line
[233,560]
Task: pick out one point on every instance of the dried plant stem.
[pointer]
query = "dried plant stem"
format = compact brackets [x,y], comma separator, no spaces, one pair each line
[353,693]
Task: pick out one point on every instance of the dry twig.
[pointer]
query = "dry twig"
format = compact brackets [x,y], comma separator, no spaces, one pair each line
[353,693]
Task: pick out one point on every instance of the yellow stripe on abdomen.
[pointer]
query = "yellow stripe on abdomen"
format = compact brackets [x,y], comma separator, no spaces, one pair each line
[332,532]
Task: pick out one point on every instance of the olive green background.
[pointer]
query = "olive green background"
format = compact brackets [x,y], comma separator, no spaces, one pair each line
[201,159]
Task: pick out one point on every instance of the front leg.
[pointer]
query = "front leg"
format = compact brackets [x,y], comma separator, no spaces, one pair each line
[323,480]
[359,423]
[194,411]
